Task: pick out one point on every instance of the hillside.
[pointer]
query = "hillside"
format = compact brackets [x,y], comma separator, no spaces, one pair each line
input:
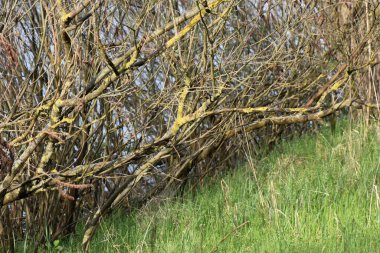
[318,193]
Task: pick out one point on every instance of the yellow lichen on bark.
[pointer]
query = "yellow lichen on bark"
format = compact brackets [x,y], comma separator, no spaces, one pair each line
[257,109]
[192,23]
[182,96]
[334,87]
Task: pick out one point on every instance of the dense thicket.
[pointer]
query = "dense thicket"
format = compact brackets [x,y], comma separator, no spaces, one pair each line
[107,102]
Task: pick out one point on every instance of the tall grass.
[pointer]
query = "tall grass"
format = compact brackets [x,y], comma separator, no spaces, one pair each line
[316,194]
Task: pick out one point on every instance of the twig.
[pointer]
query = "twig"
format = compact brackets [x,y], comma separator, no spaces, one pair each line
[228,235]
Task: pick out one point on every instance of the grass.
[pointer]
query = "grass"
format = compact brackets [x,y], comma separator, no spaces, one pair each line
[316,194]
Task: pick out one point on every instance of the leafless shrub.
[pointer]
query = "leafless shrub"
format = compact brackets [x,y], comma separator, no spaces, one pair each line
[108,100]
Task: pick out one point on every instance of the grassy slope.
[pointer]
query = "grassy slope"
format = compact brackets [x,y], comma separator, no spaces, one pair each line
[315,194]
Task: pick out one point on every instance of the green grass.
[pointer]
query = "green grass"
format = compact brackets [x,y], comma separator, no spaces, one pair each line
[316,194]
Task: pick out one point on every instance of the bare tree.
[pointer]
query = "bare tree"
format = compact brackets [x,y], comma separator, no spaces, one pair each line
[105,102]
